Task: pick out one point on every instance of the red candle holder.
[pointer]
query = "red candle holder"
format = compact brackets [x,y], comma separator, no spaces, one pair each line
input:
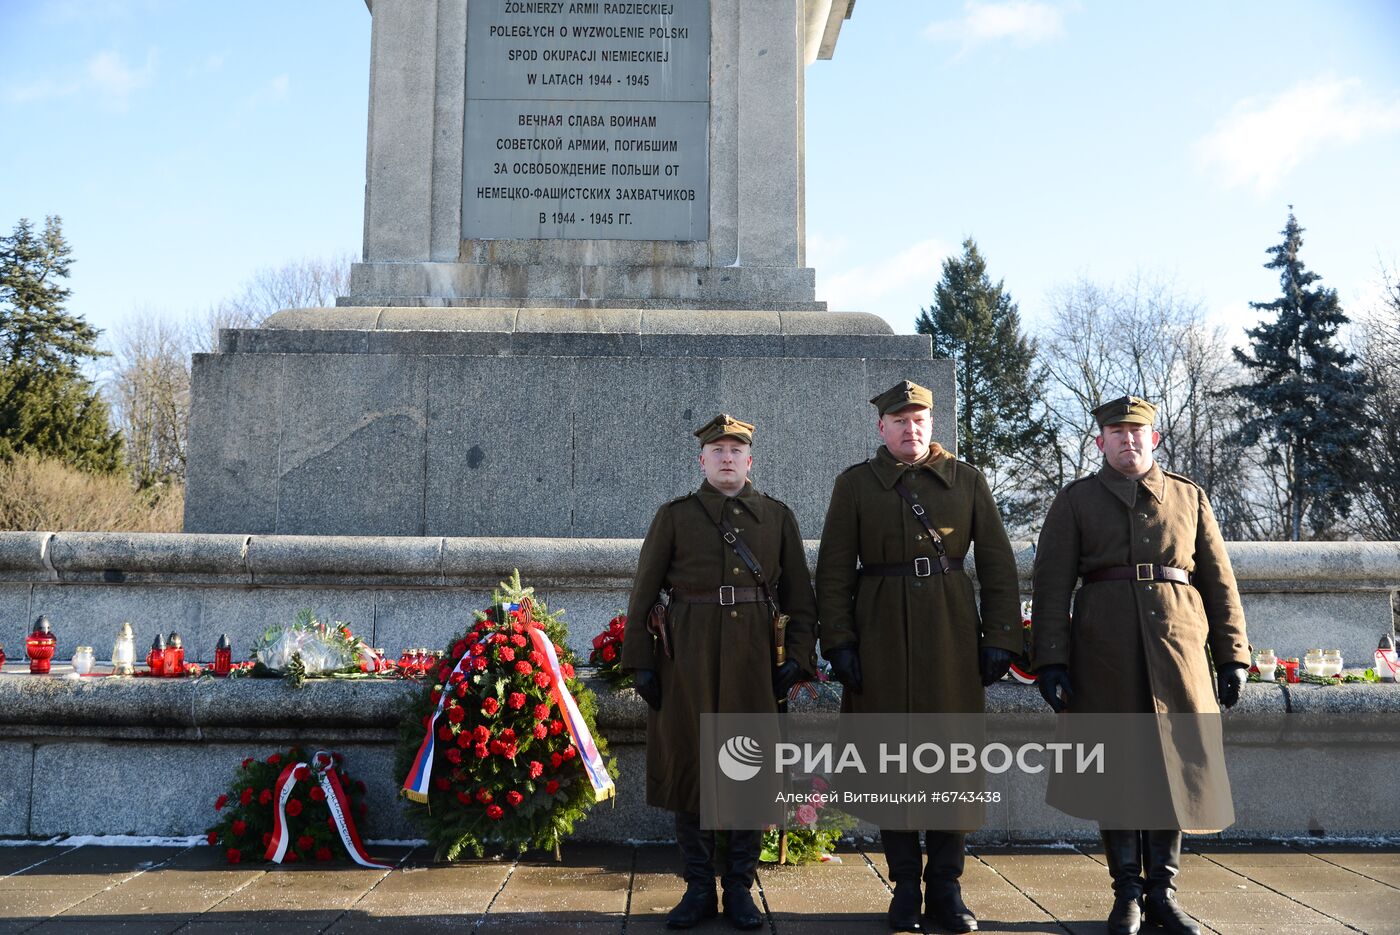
[174,657]
[1290,668]
[155,659]
[223,656]
[2,656]
[39,646]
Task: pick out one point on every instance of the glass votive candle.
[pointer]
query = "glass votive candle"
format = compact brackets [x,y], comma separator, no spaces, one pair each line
[83,660]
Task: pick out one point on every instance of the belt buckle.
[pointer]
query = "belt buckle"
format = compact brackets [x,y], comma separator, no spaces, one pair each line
[722,589]
[1146,575]
[923,568]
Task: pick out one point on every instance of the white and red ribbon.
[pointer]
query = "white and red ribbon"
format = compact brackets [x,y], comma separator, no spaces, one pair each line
[1387,662]
[336,800]
[593,765]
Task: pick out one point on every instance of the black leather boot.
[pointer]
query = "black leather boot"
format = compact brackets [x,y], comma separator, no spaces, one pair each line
[737,882]
[1162,854]
[904,861]
[698,871]
[943,902]
[1123,851]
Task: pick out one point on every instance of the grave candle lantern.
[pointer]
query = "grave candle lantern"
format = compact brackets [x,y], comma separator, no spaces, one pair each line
[40,645]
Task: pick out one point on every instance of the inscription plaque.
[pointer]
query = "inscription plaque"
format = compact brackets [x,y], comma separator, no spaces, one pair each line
[587,120]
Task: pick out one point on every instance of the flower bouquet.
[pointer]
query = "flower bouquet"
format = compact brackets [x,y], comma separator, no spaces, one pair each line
[606,654]
[502,749]
[813,829]
[307,647]
[290,808]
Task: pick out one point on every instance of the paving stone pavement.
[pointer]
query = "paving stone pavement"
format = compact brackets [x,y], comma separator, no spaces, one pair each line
[96,890]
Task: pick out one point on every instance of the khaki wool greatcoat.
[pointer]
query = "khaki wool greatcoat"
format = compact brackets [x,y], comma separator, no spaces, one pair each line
[918,638]
[1140,647]
[723,654]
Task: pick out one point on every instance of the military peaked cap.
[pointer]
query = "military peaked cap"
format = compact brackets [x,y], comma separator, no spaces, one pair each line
[1126,409]
[902,395]
[722,425]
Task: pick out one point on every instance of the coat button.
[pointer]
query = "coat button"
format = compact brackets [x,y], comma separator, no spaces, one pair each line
[736,511]
[918,538]
[1142,516]
[1145,539]
[736,571]
[733,614]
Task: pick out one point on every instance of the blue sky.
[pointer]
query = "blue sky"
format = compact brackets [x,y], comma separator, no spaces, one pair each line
[187,144]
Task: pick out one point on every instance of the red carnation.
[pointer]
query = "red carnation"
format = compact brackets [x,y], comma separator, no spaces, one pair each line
[303,772]
[275,759]
[294,808]
[443,672]
[569,753]
[264,796]
[464,798]
[494,812]
[541,712]
[483,795]
[442,784]
[523,667]
[537,657]
[540,731]
[220,802]
[551,787]
[478,649]
[458,648]
[291,857]
[444,733]
[536,768]
[516,700]
[508,734]
[514,798]
[456,678]
[213,837]
[481,751]
[434,697]
[490,706]
[599,640]
[541,678]
[318,794]
[556,728]
[464,740]
[505,654]
[556,760]
[323,853]
[609,654]
[306,842]
[509,751]
[558,650]
[247,761]
[456,714]
[239,828]
[480,734]
[464,690]
[567,669]
[246,795]
[454,755]
[519,640]
[234,855]
[479,663]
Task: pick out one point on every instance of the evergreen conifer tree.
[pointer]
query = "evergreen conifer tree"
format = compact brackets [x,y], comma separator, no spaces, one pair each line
[47,406]
[1308,396]
[976,323]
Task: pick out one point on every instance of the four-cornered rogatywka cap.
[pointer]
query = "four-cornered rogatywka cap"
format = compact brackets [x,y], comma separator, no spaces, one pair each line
[722,425]
[1133,409]
[903,394]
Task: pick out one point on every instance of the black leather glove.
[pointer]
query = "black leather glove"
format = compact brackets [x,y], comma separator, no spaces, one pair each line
[1054,686]
[648,685]
[785,677]
[845,666]
[994,662]
[1228,682]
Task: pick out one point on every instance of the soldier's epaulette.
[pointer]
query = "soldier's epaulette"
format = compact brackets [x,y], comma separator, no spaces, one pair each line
[776,500]
[1078,480]
[1182,477]
[860,464]
[680,499]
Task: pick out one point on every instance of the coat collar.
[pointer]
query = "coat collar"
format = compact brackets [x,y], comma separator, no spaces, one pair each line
[939,464]
[1124,489]
[713,501]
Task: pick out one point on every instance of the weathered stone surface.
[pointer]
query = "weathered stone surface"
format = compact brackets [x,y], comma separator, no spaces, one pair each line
[134,557]
[16,782]
[343,559]
[24,557]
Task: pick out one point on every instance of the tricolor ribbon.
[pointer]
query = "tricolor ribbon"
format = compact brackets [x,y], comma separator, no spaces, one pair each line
[420,774]
[593,765]
[336,800]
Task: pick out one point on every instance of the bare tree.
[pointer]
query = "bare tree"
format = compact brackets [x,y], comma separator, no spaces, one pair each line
[1377,515]
[313,282]
[148,386]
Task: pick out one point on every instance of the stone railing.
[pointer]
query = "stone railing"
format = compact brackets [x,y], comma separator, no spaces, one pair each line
[403,592]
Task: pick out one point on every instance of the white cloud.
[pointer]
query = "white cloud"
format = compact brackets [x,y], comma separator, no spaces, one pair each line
[894,288]
[115,80]
[1023,22]
[1261,141]
[42,90]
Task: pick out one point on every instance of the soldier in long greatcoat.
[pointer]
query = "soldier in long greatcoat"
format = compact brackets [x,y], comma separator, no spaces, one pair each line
[902,635]
[1158,593]
[722,648]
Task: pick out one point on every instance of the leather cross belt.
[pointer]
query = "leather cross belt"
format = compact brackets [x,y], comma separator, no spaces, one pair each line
[919,568]
[1140,572]
[724,596]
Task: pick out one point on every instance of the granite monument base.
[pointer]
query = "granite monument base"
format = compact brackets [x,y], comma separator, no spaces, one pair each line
[527,421]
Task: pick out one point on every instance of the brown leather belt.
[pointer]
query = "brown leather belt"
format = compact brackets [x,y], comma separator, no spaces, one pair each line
[723,596]
[919,568]
[1141,572]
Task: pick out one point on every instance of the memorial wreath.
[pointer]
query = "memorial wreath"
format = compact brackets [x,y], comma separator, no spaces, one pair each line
[502,750]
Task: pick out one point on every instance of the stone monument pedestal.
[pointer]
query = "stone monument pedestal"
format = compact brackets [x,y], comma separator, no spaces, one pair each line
[584,236]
